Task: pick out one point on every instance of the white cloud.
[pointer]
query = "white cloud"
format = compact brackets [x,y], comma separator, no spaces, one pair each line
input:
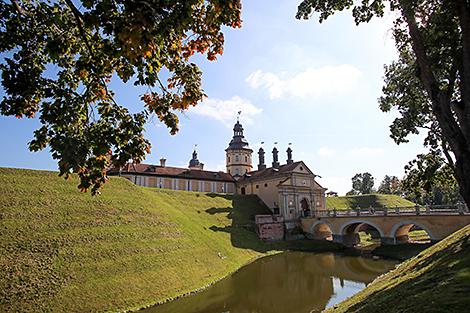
[313,82]
[339,184]
[325,152]
[365,152]
[225,111]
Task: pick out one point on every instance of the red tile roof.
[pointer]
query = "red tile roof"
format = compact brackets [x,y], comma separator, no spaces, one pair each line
[168,171]
[269,172]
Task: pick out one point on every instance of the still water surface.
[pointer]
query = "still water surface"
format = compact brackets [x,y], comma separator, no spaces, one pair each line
[294,282]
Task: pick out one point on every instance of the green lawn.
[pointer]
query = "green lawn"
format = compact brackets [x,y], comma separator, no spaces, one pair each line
[365,201]
[436,280]
[66,251]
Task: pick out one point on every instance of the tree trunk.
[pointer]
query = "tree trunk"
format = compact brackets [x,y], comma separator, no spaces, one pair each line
[452,131]
[462,174]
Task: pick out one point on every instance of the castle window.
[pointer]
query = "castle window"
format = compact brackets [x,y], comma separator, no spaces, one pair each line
[228,158]
[257,186]
[265,185]
[246,158]
[236,158]
[301,168]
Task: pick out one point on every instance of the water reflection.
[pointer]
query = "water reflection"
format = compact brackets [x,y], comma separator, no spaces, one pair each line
[289,282]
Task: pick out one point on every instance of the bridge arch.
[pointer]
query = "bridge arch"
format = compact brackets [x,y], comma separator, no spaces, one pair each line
[358,224]
[349,231]
[322,230]
[402,228]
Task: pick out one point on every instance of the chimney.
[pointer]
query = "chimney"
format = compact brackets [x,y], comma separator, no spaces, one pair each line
[261,165]
[162,162]
[289,156]
[275,158]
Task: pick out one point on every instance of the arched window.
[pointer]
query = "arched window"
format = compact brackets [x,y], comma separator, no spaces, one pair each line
[305,207]
[246,158]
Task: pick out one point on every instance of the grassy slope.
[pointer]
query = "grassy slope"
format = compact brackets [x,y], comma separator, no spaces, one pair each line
[365,201]
[64,251]
[436,280]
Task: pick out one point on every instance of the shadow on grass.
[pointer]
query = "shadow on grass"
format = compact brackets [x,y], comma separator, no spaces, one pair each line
[213,211]
[402,251]
[364,201]
[243,233]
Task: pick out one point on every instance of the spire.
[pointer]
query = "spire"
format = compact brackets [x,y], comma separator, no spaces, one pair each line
[275,157]
[289,155]
[238,141]
[261,165]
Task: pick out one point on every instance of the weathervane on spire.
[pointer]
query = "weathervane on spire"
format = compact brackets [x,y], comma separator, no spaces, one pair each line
[238,116]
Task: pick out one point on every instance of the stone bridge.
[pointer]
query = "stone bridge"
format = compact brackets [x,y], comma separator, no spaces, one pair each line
[392,225]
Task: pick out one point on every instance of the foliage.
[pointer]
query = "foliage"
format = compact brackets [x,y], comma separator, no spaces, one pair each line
[362,183]
[385,185]
[429,83]
[428,181]
[390,185]
[58,58]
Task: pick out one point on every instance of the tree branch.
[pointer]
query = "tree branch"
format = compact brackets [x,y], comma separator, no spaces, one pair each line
[445,150]
[79,18]
[18,8]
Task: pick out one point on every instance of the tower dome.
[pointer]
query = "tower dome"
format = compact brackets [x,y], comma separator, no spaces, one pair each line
[238,153]
[194,162]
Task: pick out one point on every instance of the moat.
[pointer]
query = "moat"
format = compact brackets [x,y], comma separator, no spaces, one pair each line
[295,282]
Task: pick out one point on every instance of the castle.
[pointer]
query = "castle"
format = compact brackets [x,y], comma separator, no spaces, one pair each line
[288,189]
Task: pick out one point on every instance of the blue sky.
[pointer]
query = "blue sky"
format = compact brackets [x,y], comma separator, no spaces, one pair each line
[315,85]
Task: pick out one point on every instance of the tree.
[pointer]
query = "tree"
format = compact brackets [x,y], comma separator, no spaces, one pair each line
[389,185]
[386,185]
[58,58]
[362,183]
[428,182]
[429,84]
[395,186]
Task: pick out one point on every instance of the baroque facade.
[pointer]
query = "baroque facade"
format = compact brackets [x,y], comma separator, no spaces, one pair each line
[288,189]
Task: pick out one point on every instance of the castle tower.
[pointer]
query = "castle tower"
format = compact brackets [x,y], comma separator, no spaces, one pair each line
[238,153]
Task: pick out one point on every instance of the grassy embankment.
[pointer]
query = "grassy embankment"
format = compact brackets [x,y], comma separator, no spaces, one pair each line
[436,280]
[365,201]
[65,251]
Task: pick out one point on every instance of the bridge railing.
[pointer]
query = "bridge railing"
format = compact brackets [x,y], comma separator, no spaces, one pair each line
[396,211]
